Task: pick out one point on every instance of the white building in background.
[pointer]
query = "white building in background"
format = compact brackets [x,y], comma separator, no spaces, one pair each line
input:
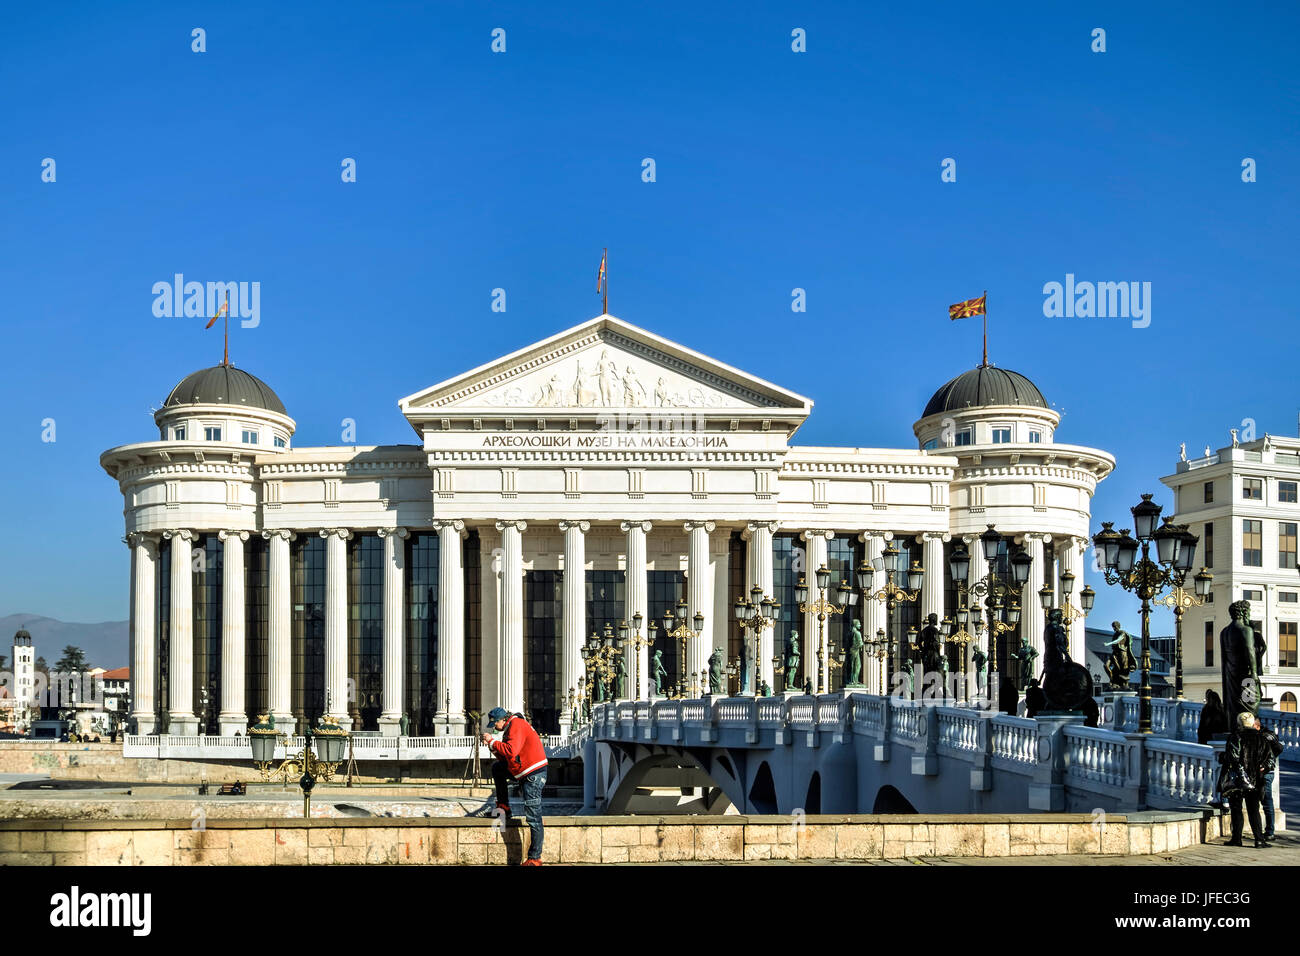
[1243,502]
[24,687]
[597,474]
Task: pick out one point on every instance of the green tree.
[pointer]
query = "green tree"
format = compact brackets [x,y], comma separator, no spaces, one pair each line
[73,659]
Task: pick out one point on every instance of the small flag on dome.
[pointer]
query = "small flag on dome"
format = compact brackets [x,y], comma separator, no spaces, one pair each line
[967,309]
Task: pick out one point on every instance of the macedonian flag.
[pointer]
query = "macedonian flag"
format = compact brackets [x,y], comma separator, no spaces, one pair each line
[964,310]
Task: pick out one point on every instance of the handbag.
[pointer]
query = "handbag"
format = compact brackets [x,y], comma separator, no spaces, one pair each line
[1233,782]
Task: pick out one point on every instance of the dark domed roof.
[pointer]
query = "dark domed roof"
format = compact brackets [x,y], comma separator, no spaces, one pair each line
[985,385]
[225,385]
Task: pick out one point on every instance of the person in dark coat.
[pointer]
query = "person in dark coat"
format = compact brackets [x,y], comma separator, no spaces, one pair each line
[1273,750]
[1214,718]
[1244,767]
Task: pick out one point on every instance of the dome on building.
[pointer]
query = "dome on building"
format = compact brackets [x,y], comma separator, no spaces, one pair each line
[225,385]
[984,385]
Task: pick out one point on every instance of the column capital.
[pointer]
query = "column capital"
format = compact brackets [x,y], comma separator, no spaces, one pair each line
[935,536]
[283,533]
[581,526]
[135,539]
[455,524]
[399,533]
[631,525]
[520,526]
[183,533]
[811,533]
[708,526]
[344,533]
[866,536]
[241,535]
[754,526]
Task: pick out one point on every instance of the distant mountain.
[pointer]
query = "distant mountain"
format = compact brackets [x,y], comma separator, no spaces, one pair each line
[106,644]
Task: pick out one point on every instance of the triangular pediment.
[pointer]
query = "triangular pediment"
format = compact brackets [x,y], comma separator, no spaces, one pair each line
[605,363]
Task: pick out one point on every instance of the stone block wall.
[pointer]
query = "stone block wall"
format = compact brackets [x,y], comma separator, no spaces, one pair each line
[580,840]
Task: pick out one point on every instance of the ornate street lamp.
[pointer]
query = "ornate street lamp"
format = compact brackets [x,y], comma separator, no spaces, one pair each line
[823,609]
[999,595]
[1175,555]
[683,634]
[331,748]
[755,616]
[892,562]
[635,642]
[1182,556]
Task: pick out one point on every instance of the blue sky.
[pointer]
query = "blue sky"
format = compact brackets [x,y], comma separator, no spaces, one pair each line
[775,170]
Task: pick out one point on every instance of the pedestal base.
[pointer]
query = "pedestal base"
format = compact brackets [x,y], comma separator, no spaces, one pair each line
[390,726]
[183,725]
[230,724]
[143,724]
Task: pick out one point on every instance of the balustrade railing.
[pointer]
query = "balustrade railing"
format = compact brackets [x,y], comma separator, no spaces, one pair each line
[959,730]
[1096,756]
[1015,740]
[1180,773]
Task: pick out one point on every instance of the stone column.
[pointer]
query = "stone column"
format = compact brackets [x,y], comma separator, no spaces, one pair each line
[699,594]
[720,555]
[390,714]
[449,716]
[637,599]
[336,625]
[873,614]
[1032,616]
[932,589]
[759,559]
[511,642]
[144,663]
[233,715]
[1072,560]
[279,633]
[813,635]
[978,568]
[575,613]
[180,664]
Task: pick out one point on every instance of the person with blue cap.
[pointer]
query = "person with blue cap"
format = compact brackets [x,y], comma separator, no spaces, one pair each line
[521,757]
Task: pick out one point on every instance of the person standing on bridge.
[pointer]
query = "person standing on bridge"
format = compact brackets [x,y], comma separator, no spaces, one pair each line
[1245,764]
[520,757]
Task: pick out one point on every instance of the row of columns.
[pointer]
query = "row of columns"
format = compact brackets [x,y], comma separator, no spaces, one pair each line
[450,709]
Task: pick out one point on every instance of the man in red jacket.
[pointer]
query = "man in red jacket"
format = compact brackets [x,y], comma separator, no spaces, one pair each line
[519,756]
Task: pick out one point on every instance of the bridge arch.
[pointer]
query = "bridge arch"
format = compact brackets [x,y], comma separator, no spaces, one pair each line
[670,780]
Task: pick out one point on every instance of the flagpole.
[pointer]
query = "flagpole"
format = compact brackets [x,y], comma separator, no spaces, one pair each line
[225,330]
[986,329]
[605,306]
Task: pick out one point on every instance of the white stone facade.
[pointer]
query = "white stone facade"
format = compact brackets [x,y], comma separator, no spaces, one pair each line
[1256,482]
[604,447]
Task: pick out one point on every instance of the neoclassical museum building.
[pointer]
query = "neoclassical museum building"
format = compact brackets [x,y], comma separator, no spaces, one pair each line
[570,485]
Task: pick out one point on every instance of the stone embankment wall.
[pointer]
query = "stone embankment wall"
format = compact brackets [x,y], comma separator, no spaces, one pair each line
[595,839]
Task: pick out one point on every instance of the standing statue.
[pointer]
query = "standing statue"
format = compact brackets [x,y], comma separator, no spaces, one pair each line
[658,672]
[1241,656]
[404,724]
[1026,655]
[1260,647]
[792,661]
[1066,684]
[853,660]
[620,678]
[807,686]
[746,666]
[980,660]
[599,686]
[764,689]
[1121,662]
[715,671]
[907,682]
[931,648]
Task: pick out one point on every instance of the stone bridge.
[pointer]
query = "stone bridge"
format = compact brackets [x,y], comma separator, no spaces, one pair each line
[860,753]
